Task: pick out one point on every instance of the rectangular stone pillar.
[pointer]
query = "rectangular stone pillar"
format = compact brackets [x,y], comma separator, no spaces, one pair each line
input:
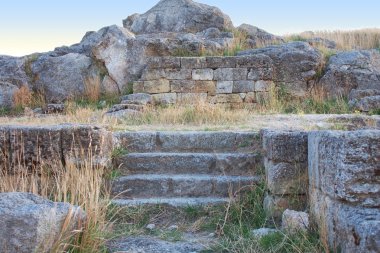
[344,179]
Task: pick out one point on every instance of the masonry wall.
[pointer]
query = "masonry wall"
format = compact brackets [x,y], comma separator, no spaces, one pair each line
[234,80]
[31,147]
[286,166]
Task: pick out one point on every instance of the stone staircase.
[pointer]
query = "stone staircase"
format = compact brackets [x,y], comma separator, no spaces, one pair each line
[185,168]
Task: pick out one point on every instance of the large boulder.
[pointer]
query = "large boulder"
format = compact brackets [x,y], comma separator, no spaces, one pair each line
[178,16]
[60,78]
[113,51]
[257,37]
[30,223]
[295,65]
[12,70]
[12,77]
[359,70]
[7,91]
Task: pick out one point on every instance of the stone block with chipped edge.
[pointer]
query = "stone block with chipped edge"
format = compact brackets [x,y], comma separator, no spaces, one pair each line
[167,62]
[203,74]
[190,86]
[215,62]
[224,87]
[243,86]
[230,74]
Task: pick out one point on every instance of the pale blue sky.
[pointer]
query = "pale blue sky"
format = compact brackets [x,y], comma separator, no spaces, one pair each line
[29,26]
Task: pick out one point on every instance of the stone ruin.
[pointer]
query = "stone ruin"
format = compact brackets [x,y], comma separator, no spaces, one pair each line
[331,174]
[334,175]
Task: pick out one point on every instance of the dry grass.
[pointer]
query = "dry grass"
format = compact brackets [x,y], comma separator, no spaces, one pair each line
[347,40]
[92,88]
[81,185]
[22,97]
[196,114]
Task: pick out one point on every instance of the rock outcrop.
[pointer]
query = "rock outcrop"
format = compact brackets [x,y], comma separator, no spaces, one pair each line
[178,16]
[257,37]
[13,70]
[355,74]
[295,65]
[30,223]
[12,77]
[60,78]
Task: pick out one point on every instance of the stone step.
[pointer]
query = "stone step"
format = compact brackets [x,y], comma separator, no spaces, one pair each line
[167,186]
[175,202]
[236,164]
[181,141]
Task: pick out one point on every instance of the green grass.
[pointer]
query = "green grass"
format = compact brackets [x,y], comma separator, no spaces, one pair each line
[119,152]
[232,224]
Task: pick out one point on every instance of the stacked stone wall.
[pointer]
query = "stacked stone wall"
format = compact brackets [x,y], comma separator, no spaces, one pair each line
[285,162]
[219,80]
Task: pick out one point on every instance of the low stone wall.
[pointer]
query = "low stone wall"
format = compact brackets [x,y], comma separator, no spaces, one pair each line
[285,162]
[31,147]
[344,177]
[232,80]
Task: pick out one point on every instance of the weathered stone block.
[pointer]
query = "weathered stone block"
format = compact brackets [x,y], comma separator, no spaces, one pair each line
[230,74]
[256,74]
[178,74]
[167,62]
[243,86]
[190,86]
[224,87]
[254,61]
[225,98]
[285,146]
[286,178]
[295,221]
[346,228]
[182,86]
[33,147]
[156,86]
[191,98]
[208,142]
[203,74]
[263,86]
[152,87]
[152,74]
[81,143]
[164,98]
[345,165]
[135,141]
[193,62]
[30,223]
[220,62]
